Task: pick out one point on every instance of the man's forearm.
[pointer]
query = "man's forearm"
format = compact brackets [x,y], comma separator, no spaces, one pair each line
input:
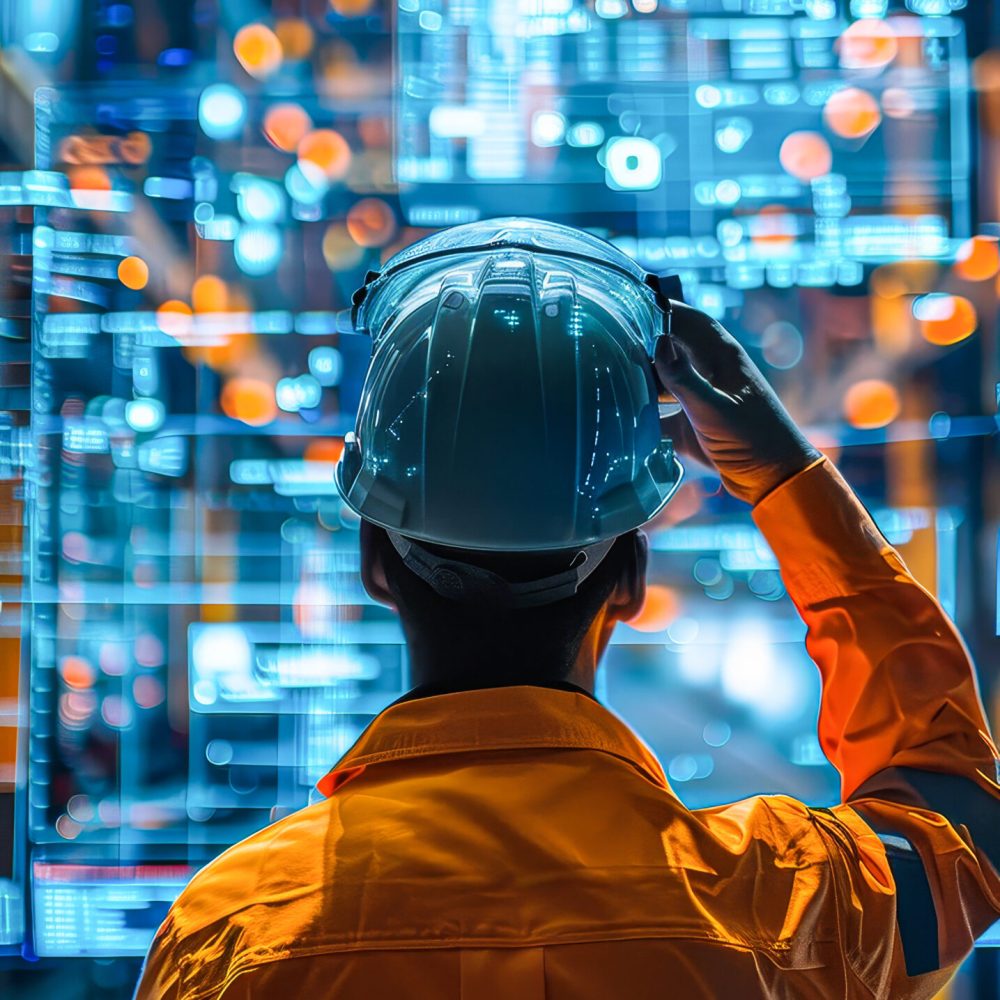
[899,688]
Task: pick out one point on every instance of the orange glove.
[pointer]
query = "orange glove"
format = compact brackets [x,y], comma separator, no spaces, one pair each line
[739,425]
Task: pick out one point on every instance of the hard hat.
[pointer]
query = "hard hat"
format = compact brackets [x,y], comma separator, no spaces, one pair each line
[510,404]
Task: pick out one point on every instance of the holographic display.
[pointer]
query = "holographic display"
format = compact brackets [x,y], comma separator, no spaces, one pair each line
[734,149]
[186,644]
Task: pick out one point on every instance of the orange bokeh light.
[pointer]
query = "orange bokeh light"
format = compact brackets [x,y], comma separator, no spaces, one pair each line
[351,8]
[945,319]
[258,50]
[978,259]
[250,400]
[867,44]
[133,272]
[285,125]
[806,155]
[296,37]
[852,113]
[871,403]
[324,151]
[324,450]
[89,178]
[209,294]
[371,222]
[174,318]
[77,672]
[658,610]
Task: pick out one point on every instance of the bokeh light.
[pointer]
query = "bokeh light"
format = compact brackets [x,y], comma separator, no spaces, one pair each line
[978,259]
[324,152]
[659,609]
[352,8]
[945,319]
[249,400]
[209,294]
[174,318]
[806,155]
[871,403]
[285,124]
[144,415]
[116,712]
[68,828]
[852,113]
[149,651]
[326,364]
[133,272]
[296,37]
[148,691]
[301,392]
[77,672]
[868,44]
[782,344]
[89,178]
[222,110]
[371,222]
[81,808]
[258,50]
[258,249]
[324,450]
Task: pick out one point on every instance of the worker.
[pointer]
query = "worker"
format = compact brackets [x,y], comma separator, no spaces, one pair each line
[497,833]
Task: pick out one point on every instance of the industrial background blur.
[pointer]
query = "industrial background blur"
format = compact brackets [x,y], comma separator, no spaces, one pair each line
[191,190]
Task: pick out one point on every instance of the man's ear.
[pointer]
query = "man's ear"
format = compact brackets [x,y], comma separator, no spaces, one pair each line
[371,542]
[629,595]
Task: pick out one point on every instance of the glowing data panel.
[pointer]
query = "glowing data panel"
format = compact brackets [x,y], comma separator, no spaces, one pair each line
[102,911]
[789,145]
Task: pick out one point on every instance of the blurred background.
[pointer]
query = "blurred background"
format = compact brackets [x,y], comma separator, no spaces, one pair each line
[191,190]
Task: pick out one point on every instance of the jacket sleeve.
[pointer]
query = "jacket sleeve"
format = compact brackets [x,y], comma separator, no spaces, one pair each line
[160,978]
[900,718]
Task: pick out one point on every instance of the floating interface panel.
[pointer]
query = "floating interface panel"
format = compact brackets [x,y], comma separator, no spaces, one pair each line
[201,651]
[738,143]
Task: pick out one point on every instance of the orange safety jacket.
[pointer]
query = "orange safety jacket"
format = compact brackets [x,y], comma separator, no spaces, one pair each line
[522,843]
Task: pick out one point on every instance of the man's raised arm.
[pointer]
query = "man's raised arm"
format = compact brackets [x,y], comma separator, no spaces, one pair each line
[900,716]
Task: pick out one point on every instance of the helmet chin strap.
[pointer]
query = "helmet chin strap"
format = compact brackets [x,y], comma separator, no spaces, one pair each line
[468,584]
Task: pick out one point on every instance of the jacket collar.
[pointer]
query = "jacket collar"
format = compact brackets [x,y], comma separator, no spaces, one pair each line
[504,718]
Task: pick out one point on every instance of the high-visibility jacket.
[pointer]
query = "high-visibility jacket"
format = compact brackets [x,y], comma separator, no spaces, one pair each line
[522,843]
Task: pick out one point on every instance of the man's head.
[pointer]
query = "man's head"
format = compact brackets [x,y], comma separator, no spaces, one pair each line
[507,448]
[486,644]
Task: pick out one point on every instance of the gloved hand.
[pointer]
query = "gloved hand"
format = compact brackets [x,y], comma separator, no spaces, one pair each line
[739,424]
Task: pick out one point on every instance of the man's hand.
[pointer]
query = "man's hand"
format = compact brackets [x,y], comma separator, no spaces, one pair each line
[739,424]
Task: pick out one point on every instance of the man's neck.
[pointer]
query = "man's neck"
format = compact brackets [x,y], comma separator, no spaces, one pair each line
[430,688]
[432,666]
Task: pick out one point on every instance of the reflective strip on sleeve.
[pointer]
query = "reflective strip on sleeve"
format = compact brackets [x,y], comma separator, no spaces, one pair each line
[916,915]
